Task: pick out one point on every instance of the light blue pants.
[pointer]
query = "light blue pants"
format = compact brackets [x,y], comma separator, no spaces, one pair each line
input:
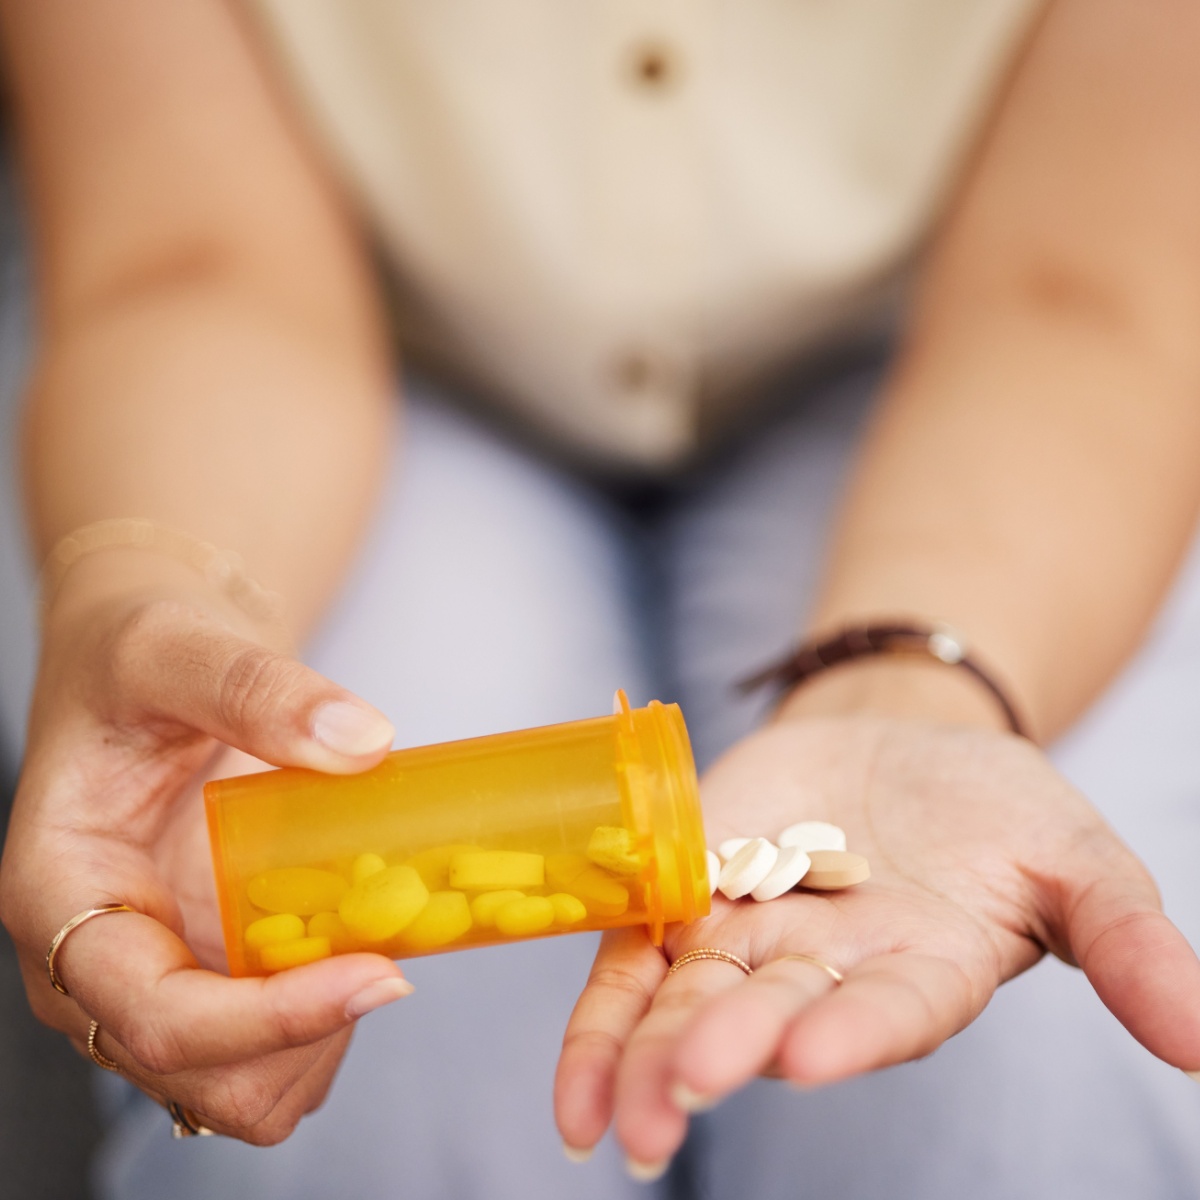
[498,591]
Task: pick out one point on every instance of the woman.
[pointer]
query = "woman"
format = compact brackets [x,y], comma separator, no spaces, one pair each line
[618,263]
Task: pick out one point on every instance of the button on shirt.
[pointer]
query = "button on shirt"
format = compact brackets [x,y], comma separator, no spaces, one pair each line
[616,218]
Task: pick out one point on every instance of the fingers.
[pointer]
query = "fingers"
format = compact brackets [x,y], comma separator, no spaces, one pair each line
[1141,966]
[171,663]
[710,1030]
[252,1056]
[256,1103]
[738,1034]
[890,1009]
[650,1122]
[618,992]
[141,983]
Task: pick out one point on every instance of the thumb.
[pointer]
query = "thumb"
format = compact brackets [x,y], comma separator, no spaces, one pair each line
[189,669]
[1141,966]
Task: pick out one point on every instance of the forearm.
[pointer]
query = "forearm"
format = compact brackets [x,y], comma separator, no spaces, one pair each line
[207,408]
[1031,474]
[211,354]
[1031,481]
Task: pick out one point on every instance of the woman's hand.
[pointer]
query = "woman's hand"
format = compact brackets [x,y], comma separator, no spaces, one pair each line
[982,859]
[134,698]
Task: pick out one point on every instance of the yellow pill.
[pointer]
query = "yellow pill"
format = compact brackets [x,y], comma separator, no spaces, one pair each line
[491,870]
[561,869]
[602,894]
[444,919]
[282,927]
[330,925]
[383,904]
[519,918]
[568,909]
[366,865]
[433,865]
[281,955]
[612,848]
[484,906]
[301,890]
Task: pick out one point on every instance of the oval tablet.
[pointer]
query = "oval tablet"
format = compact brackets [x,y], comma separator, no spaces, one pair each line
[790,867]
[278,956]
[602,894]
[814,835]
[282,927]
[568,909]
[485,906]
[747,868]
[444,919]
[521,918]
[299,890]
[833,869]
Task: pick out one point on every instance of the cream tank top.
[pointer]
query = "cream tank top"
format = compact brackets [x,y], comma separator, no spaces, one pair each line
[616,218]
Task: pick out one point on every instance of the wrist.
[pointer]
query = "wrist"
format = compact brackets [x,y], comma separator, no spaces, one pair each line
[901,686]
[115,580]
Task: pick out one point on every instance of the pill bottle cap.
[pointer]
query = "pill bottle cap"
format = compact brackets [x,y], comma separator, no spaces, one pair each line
[661,799]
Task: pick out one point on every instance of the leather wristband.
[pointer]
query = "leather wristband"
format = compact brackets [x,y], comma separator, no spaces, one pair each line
[939,642]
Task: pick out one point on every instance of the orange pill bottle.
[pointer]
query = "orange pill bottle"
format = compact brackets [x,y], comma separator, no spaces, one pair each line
[586,825]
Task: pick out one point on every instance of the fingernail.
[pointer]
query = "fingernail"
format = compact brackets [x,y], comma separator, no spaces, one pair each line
[577,1154]
[351,729]
[647,1172]
[376,995]
[1193,1075]
[689,1101]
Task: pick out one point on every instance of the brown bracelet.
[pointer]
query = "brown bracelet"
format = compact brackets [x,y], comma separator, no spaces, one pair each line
[939,642]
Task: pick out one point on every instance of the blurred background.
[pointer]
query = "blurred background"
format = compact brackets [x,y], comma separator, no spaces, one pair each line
[48,1123]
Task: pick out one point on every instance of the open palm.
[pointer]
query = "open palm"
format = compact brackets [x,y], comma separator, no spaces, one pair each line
[982,858]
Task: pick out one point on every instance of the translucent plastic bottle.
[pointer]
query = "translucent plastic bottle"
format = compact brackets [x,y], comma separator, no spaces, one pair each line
[586,825]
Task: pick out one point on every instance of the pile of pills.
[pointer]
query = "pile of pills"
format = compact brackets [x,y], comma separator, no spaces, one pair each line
[809,854]
[444,895]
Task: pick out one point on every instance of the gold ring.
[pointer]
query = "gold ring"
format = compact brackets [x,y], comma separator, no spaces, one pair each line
[185,1123]
[61,936]
[99,1059]
[832,972]
[709,952]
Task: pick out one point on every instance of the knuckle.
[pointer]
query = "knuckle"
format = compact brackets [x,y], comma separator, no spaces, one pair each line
[245,1103]
[296,1028]
[622,982]
[599,1041]
[157,1049]
[271,1131]
[255,681]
